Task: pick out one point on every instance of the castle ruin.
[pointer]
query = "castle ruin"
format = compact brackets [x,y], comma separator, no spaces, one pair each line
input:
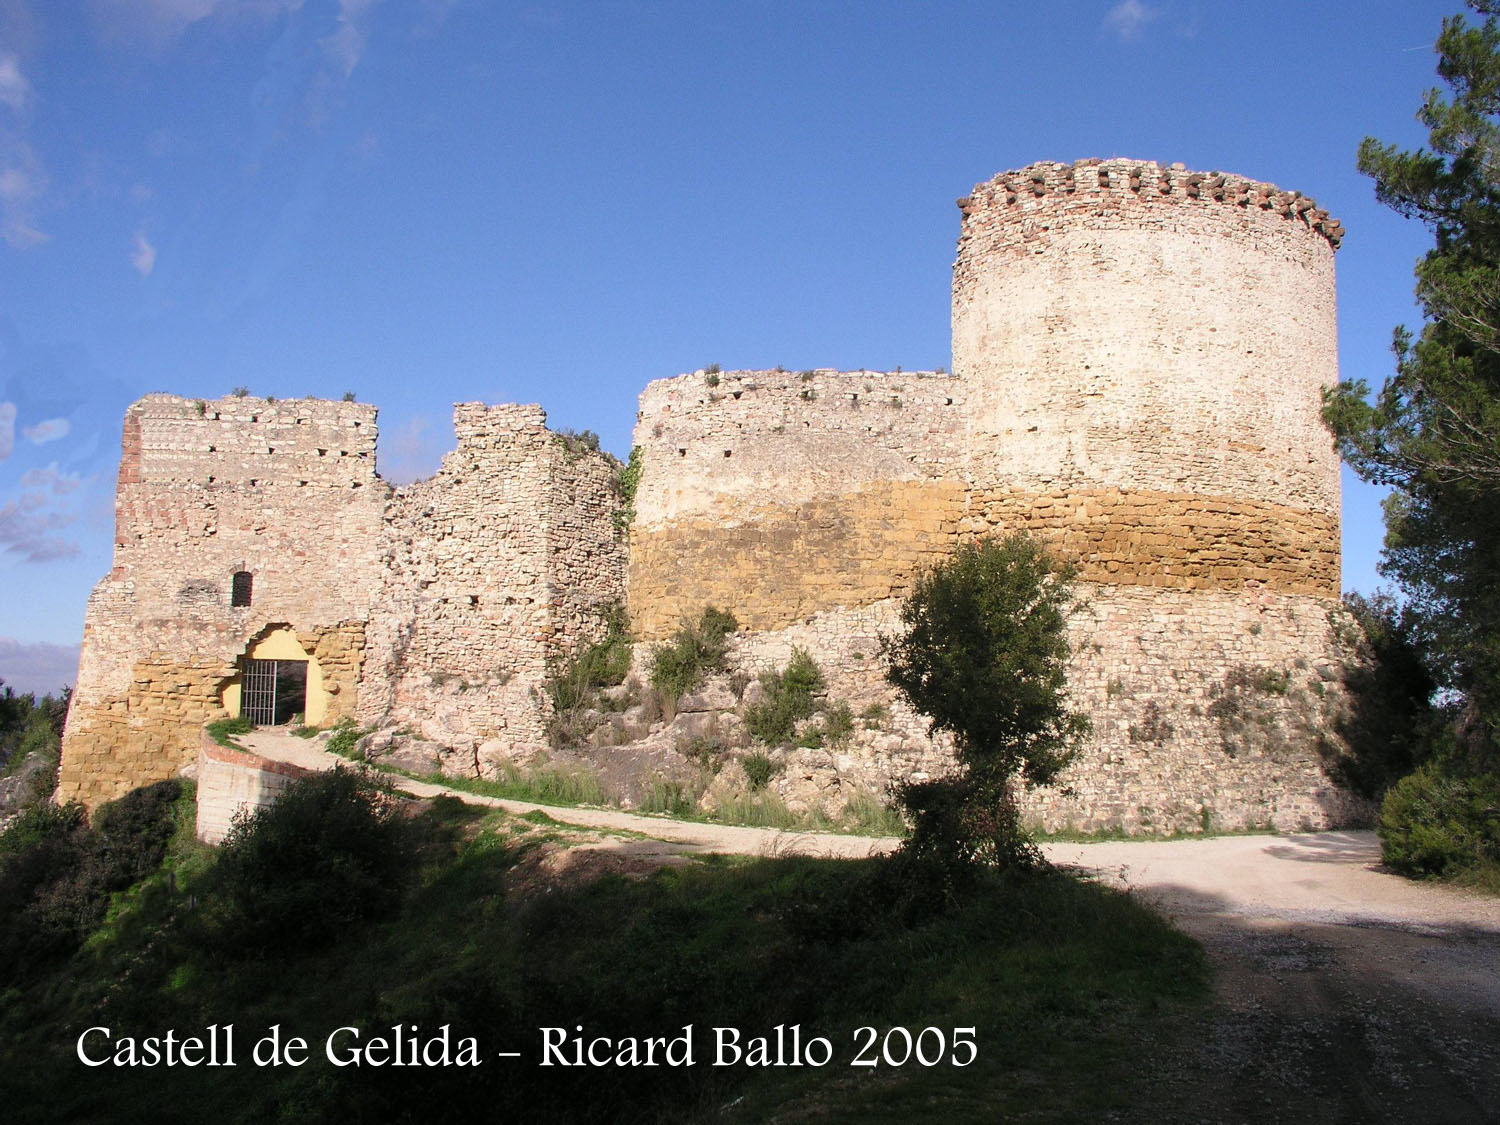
[1138,358]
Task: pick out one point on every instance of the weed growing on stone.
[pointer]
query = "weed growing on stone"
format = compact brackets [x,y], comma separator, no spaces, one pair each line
[697,649]
[346,735]
[788,699]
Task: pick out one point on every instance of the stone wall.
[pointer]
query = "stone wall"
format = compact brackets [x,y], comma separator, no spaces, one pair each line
[1139,353]
[1209,709]
[441,605]
[1138,357]
[285,490]
[496,568]
[781,493]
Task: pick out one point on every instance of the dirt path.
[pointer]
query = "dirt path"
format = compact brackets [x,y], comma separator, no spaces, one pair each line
[1344,993]
[687,836]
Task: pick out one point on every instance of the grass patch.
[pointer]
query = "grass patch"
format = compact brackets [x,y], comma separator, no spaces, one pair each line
[223,731]
[1060,979]
[668,797]
[544,786]
[345,739]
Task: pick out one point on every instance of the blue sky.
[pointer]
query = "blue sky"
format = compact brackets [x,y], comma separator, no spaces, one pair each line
[430,201]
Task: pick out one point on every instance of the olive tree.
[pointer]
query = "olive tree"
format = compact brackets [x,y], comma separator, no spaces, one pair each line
[983,654]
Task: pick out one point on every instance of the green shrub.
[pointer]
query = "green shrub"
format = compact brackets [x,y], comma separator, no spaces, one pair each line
[983,652]
[1390,726]
[131,834]
[1436,822]
[330,852]
[695,650]
[838,723]
[57,874]
[788,699]
[759,769]
[603,664]
[577,442]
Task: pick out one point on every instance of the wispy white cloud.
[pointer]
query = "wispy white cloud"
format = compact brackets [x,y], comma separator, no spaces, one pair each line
[30,523]
[143,254]
[53,429]
[7,429]
[412,450]
[23,179]
[15,90]
[51,479]
[153,24]
[346,46]
[28,530]
[1128,19]
[433,14]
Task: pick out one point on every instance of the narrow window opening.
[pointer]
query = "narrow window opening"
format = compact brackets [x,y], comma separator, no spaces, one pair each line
[239,588]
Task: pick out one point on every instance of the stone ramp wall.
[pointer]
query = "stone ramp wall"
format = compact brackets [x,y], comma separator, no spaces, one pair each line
[233,781]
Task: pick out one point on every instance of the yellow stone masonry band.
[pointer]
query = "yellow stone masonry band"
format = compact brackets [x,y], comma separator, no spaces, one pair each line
[773,565]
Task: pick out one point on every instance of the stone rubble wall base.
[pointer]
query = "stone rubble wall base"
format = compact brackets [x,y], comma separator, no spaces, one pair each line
[1210,710]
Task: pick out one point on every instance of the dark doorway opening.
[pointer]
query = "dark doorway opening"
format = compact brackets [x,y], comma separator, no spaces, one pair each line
[272,691]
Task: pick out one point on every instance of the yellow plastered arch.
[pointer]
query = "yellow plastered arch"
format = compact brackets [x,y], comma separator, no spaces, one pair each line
[280,643]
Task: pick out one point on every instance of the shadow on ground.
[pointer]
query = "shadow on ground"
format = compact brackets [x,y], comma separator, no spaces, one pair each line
[1328,1022]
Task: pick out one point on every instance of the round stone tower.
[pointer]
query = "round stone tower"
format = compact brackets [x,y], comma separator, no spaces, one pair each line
[1121,325]
[1143,350]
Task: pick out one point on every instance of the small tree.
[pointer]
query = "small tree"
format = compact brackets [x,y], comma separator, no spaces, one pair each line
[983,654]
